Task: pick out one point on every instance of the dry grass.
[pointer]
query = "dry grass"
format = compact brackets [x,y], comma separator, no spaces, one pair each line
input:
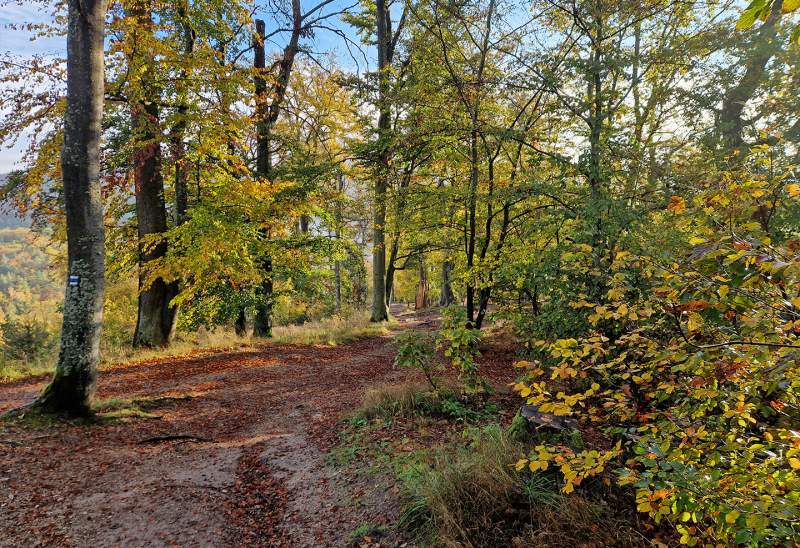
[403,400]
[332,331]
[473,497]
[201,341]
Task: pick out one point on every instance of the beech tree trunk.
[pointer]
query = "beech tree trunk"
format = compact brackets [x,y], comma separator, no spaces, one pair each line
[156,317]
[71,390]
[177,135]
[380,310]
[262,322]
[337,265]
[391,268]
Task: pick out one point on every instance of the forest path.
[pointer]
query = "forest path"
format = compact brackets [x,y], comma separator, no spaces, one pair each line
[236,455]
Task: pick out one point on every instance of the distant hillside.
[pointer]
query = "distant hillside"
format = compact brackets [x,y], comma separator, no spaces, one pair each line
[25,282]
[8,218]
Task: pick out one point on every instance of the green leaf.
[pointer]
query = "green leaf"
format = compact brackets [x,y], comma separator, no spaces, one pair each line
[749,15]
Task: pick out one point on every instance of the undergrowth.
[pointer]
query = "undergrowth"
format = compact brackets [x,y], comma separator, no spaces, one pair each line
[464,490]
[472,496]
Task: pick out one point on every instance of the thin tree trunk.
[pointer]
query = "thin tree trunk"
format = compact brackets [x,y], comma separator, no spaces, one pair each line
[422,300]
[471,210]
[72,387]
[391,267]
[262,323]
[380,311]
[178,132]
[446,296]
[337,273]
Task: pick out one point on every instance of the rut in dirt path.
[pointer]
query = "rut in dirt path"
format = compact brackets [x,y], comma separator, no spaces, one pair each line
[237,457]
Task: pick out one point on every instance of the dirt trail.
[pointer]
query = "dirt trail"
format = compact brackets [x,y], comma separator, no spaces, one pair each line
[248,470]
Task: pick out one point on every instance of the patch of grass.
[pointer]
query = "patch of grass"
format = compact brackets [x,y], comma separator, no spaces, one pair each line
[12,370]
[414,400]
[473,497]
[399,400]
[103,411]
[30,417]
[351,444]
[202,341]
[115,354]
[332,331]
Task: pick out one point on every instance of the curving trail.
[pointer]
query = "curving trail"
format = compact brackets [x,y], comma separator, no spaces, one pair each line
[236,456]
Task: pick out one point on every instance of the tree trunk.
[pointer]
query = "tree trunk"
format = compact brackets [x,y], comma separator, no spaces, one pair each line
[765,45]
[156,317]
[391,268]
[337,265]
[72,388]
[243,326]
[337,272]
[380,311]
[178,132]
[422,300]
[446,297]
[262,322]
[268,107]
[471,210]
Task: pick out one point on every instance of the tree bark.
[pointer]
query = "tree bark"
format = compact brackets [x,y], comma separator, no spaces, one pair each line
[446,296]
[156,316]
[391,267]
[731,124]
[337,265]
[422,300]
[72,388]
[262,322]
[177,135]
[380,310]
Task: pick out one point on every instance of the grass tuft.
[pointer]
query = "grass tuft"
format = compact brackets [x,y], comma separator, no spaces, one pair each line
[399,400]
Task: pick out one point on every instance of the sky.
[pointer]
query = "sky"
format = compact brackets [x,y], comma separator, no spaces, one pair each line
[20,42]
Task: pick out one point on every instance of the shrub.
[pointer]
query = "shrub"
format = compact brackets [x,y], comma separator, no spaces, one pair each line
[416,350]
[26,339]
[460,344]
[695,383]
